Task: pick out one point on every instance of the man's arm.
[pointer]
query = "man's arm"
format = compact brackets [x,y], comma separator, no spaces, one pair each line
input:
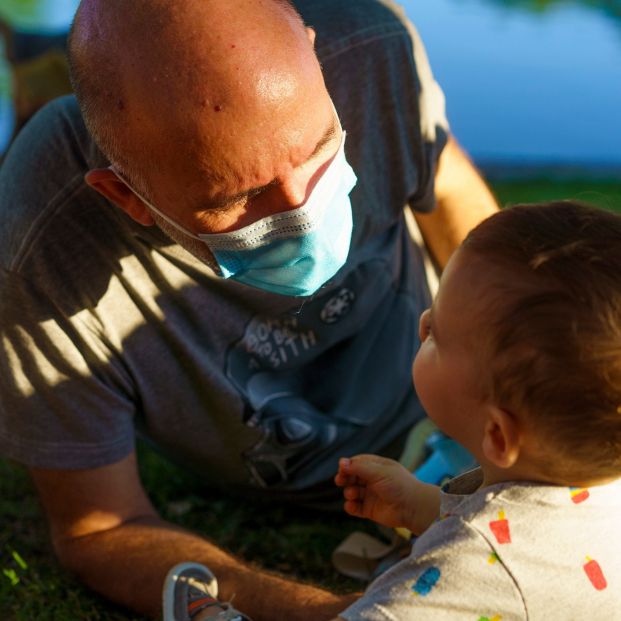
[105,529]
[463,200]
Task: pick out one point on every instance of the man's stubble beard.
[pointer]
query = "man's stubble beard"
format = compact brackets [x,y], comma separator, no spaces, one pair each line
[194,246]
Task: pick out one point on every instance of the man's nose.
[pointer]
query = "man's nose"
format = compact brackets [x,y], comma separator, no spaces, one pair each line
[293,191]
[296,187]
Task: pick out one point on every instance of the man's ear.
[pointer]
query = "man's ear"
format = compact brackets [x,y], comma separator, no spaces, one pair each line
[501,437]
[108,184]
[311,34]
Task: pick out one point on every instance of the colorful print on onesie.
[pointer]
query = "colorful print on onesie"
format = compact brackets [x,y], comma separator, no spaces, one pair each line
[508,552]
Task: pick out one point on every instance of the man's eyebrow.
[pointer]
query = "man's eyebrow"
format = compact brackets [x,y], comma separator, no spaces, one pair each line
[224,202]
[328,135]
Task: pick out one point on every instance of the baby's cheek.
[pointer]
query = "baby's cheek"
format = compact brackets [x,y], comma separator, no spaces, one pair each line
[427,378]
[419,371]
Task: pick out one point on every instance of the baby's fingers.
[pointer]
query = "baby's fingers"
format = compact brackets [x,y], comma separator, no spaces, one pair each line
[343,476]
[345,480]
[372,468]
[353,507]
[354,493]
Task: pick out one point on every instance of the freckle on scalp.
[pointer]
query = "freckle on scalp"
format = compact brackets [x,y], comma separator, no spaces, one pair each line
[120,104]
[218,108]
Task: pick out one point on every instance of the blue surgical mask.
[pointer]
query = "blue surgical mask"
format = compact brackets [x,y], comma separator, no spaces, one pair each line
[294,252]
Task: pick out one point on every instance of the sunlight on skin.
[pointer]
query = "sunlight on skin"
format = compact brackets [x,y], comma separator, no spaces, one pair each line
[275,87]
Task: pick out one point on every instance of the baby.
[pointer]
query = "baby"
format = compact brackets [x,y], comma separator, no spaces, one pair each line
[520,362]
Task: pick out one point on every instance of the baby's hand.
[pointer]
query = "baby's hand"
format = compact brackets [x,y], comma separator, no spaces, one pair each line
[376,488]
[382,490]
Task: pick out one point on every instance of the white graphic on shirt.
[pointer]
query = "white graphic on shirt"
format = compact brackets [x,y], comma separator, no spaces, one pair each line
[338,306]
[286,366]
[273,342]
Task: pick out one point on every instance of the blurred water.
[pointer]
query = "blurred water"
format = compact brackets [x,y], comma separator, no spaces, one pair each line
[45,17]
[527,87]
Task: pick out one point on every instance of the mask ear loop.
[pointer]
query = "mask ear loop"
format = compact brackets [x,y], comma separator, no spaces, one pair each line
[211,264]
[152,207]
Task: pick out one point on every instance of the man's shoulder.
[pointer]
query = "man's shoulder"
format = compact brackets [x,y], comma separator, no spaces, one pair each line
[351,14]
[55,136]
[342,23]
[44,167]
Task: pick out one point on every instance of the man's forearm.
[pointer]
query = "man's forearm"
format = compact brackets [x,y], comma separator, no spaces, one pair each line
[128,565]
[463,200]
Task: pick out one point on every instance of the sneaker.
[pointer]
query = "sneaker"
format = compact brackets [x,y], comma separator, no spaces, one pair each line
[190,588]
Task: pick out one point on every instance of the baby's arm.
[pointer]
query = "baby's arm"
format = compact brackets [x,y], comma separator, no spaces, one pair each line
[382,490]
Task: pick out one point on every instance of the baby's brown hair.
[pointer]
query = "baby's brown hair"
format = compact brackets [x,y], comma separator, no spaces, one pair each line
[553,335]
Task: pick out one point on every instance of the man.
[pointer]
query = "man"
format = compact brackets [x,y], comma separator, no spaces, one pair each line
[219,122]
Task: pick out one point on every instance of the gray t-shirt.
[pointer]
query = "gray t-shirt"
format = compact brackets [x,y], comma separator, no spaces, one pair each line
[108,328]
[510,552]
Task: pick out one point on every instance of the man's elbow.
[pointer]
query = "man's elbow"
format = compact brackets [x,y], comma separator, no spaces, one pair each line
[79,554]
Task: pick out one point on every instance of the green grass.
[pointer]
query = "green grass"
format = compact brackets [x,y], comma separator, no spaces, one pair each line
[605,194]
[296,542]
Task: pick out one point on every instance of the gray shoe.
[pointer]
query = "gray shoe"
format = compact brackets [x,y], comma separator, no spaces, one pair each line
[190,588]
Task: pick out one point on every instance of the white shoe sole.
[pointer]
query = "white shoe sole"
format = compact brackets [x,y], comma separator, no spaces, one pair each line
[168,592]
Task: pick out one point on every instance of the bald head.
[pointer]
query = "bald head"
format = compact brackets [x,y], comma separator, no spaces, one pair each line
[165,83]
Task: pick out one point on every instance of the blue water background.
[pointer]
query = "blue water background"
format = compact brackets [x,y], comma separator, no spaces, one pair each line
[527,87]
[43,17]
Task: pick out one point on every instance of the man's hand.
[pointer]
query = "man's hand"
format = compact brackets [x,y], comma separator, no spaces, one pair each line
[382,490]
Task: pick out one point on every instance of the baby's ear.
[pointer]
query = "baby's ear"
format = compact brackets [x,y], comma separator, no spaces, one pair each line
[502,438]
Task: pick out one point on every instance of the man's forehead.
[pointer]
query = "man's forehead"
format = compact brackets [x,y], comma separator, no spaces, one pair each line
[230,180]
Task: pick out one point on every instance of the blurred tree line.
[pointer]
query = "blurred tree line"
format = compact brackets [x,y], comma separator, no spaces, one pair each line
[610,7]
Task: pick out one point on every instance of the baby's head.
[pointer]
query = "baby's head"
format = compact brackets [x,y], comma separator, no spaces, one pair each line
[526,339]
